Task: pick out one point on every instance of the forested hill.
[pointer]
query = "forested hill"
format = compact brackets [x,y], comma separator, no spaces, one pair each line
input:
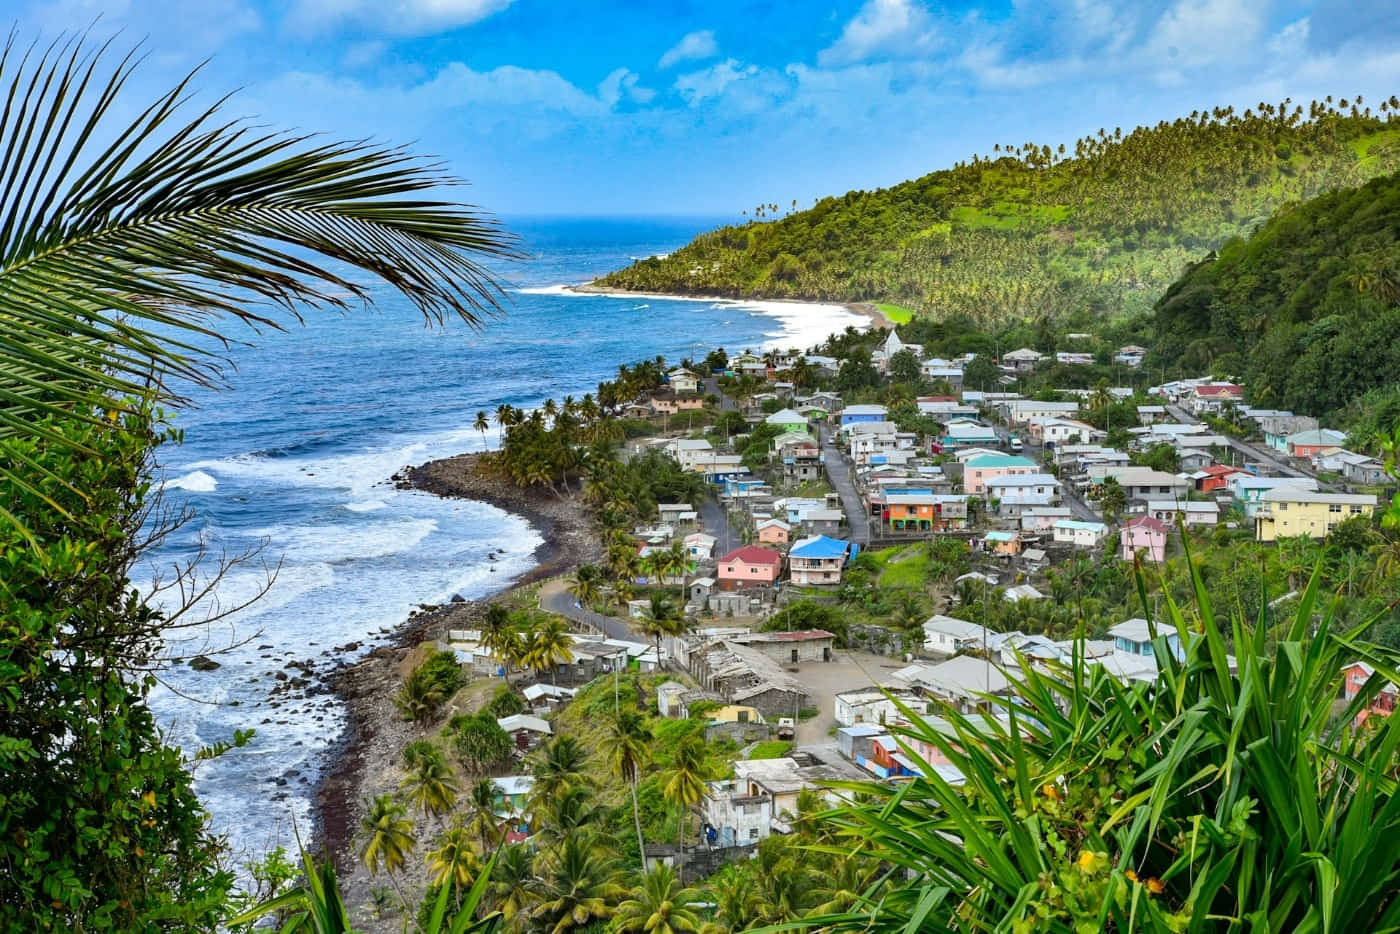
[1031,231]
[1307,309]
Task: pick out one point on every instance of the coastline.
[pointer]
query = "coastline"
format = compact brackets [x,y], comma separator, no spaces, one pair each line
[864,309]
[363,762]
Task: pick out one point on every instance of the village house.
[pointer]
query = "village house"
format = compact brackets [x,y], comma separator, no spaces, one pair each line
[1021,411]
[1055,431]
[1278,426]
[1078,533]
[762,796]
[699,546]
[1134,637]
[749,365]
[893,345]
[1286,512]
[817,561]
[856,414]
[977,471]
[525,730]
[1140,484]
[1130,355]
[946,373]
[874,705]
[945,407]
[1073,358]
[965,432]
[1002,544]
[786,420]
[960,681]
[677,515]
[789,647]
[1023,360]
[1190,460]
[1214,477]
[1043,518]
[1248,490]
[688,452]
[673,404]
[1211,398]
[741,674]
[826,401]
[947,636]
[683,381]
[749,566]
[1305,444]
[1019,492]
[823,520]
[925,512]
[773,532]
[1150,414]
[1382,705]
[1192,513]
[1144,534]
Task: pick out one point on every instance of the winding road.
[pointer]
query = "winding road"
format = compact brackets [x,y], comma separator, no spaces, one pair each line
[555,598]
[838,472]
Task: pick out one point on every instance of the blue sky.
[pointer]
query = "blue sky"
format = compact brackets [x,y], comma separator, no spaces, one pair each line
[688,107]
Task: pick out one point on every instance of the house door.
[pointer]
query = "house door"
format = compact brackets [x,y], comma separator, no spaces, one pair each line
[794,656]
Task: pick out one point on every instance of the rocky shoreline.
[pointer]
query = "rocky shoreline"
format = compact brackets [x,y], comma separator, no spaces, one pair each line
[365,760]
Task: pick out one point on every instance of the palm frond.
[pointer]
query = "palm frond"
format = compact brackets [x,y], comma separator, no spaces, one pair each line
[127,246]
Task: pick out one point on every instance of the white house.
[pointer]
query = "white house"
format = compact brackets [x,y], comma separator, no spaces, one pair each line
[1079,534]
[946,635]
[875,705]
[1192,513]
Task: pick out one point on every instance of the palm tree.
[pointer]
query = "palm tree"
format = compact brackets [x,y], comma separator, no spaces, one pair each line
[454,860]
[661,905]
[509,890]
[481,424]
[484,824]
[675,561]
[577,886]
[548,646]
[562,764]
[497,631]
[388,834]
[572,811]
[585,584]
[658,620]
[685,786]
[629,753]
[429,786]
[128,237]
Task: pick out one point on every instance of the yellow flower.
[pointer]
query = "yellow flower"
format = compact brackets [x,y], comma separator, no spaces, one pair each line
[150,798]
[1050,791]
[1089,861]
[1132,876]
[1155,886]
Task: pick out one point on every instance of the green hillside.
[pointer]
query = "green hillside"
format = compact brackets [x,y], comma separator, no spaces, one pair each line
[1033,232]
[1307,309]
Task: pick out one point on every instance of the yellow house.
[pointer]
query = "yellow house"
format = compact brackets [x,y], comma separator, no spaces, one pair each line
[736,713]
[1289,512]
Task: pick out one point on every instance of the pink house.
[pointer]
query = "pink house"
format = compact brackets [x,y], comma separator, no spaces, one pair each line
[1144,534]
[750,566]
[1382,705]
[978,470]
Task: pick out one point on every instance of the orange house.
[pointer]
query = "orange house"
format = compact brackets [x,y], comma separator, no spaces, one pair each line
[774,532]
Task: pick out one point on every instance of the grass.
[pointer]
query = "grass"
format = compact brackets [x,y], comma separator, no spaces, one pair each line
[897,314]
[771,749]
[905,566]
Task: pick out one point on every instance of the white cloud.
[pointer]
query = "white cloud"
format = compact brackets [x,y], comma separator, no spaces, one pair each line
[698,86]
[360,54]
[398,17]
[882,29]
[1203,32]
[693,47]
[622,84]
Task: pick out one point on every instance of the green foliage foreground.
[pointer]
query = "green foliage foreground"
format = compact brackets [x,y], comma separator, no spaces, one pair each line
[1231,794]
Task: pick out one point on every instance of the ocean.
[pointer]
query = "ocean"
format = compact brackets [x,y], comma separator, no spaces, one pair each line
[289,466]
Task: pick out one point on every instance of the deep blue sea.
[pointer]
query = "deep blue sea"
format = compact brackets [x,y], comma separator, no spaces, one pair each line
[293,459]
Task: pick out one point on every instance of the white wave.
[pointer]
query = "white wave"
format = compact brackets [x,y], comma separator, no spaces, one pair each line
[347,542]
[369,505]
[196,482]
[561,289]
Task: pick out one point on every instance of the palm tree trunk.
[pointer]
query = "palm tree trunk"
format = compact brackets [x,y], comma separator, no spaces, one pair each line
[637,819]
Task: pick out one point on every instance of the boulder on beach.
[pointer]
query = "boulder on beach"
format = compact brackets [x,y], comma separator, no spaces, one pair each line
[203,663]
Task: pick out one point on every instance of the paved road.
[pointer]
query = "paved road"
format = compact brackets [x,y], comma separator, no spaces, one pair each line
[712,386]
[1262,455]
[555,598]
[838,472]
[716,523]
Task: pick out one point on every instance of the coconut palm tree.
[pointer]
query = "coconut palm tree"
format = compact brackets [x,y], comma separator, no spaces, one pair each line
[563,763]
[429,785]
[547,645]
[497,630]
[484,824]
[629,752]
[509,891]
[481,424]
[132,232]
[585,584]
[572,811]
[660,905]
[675,561]
[577,884]
[454,860]
[388,834]
[658,619]
[684,786]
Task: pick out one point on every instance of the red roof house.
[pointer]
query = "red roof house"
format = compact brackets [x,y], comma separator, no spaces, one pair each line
[1215,477]
[750,566]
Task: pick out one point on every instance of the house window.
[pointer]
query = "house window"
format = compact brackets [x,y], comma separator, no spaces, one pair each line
[1283,507]
[753,833]
[1356,510]
[1334,507]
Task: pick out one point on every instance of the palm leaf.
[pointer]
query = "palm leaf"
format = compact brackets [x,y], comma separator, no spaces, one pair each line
[127,246]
